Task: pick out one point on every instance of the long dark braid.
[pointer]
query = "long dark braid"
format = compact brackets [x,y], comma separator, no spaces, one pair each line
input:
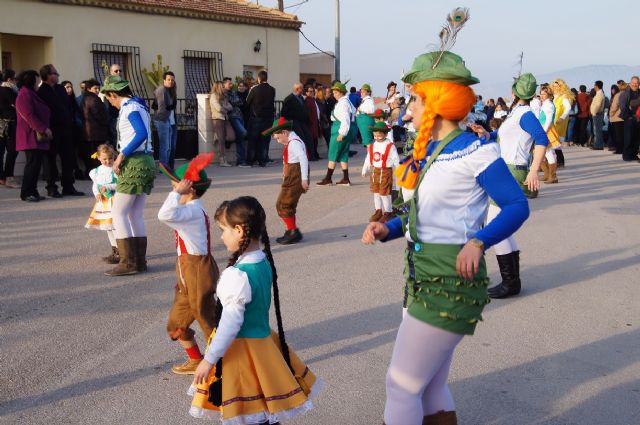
[276,299]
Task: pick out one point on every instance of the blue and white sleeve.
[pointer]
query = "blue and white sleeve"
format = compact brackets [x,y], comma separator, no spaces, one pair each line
[395,229]
[140,130]
[531,124]
[500,185]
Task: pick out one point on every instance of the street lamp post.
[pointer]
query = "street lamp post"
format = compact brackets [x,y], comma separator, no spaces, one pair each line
[337,47]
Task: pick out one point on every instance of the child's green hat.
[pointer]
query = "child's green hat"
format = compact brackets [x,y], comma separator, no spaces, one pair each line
[193,171]
[366,87]
[380,126]
[278,124]
[379,113]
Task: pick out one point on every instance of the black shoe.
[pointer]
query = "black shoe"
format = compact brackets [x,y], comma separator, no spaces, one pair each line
[290,237]
[593,148]
[31,198]
[54,194]
[352,153]
[510,271]
[72,192]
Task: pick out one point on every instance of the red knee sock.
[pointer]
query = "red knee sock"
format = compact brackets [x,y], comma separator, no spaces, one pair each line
[191,347]
[290,222]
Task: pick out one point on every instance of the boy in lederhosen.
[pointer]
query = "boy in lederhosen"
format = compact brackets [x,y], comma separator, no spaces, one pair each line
[382,158]
[196,270]
[295,180]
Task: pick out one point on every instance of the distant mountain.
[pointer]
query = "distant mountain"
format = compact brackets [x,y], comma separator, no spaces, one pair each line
[587,75]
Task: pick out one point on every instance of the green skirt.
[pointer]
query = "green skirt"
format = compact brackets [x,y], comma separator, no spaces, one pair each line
[137,173]
[437,295]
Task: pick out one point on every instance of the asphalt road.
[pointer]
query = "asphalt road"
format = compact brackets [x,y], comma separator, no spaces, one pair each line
[77,347]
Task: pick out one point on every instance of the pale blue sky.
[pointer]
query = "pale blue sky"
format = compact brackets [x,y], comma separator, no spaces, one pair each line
[380,38]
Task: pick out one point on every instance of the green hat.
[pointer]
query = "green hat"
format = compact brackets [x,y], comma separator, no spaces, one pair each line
[114,83]
[340,87]
[525,86]
[450,68]
[279,124]
[366,87]
[380,126]
[193,170]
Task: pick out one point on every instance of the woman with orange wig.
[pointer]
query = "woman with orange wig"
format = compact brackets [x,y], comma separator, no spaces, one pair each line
[450,176]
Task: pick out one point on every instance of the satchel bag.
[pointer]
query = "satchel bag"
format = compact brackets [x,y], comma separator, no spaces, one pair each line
[40,137]
[229,132]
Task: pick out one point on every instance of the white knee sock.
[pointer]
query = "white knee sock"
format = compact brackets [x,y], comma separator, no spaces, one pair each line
[137,216]
[551,156]
[377,201]
[506,246]
[112,238]
[417,375]
[386,203]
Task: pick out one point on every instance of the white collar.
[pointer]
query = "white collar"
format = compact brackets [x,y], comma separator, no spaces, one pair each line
[251,257]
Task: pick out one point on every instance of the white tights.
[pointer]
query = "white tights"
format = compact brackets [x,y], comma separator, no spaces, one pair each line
[112,238]
[506,246]
[418,373]
[127,213]
[551,156]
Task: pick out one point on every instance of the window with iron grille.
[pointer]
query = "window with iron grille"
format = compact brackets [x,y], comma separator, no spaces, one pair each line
[201,70]
[128,57]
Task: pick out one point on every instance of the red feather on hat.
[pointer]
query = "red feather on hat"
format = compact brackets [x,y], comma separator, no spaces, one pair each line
[196,165]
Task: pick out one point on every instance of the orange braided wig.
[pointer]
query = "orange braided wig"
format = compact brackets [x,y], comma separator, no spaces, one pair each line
[448,100]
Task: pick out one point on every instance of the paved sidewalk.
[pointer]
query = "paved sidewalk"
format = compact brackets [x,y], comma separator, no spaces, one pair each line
[77,347]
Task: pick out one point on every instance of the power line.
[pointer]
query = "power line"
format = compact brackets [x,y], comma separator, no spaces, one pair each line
[319,49]
[297,4]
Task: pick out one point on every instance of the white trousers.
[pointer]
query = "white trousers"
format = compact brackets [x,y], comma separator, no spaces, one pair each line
[506,246]
[416,381]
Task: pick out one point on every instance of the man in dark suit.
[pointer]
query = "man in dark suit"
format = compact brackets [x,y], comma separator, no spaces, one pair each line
[56,98]
[293,109]
[261,111]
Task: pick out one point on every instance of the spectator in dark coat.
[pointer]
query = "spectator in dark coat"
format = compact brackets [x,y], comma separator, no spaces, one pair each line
[313,112]
[95,116]
[293,109]
[32,132]
[629,104]
[260,104]
[56,98]
[8,95]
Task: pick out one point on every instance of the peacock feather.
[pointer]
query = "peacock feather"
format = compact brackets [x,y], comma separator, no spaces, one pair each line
[455,21]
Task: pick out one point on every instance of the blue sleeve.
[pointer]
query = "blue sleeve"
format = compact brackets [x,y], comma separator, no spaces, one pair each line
[531,124]
[494,135]
[500,185]
[141,133]
[395,229]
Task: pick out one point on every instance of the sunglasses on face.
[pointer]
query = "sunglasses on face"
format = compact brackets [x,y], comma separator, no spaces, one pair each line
[117,71]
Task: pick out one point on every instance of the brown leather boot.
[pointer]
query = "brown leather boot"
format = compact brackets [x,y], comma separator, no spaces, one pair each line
[441,418]
[386,217]
[545,169]
[553,178]
[127,264]
[376,216]
[140,253]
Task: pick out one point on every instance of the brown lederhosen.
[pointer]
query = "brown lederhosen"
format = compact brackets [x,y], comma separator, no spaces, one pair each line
[290,191]
[381,181]
[194,295]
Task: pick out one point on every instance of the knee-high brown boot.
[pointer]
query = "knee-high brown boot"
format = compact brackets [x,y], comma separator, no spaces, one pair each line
[553,178]
[127,264]
[140,244]
[441,418]
[545,169]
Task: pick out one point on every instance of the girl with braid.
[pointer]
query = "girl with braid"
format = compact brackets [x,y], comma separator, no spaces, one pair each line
[249,375]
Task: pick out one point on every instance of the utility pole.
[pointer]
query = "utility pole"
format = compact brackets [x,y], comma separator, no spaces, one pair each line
[337,47]
[281,5]
[521,62]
